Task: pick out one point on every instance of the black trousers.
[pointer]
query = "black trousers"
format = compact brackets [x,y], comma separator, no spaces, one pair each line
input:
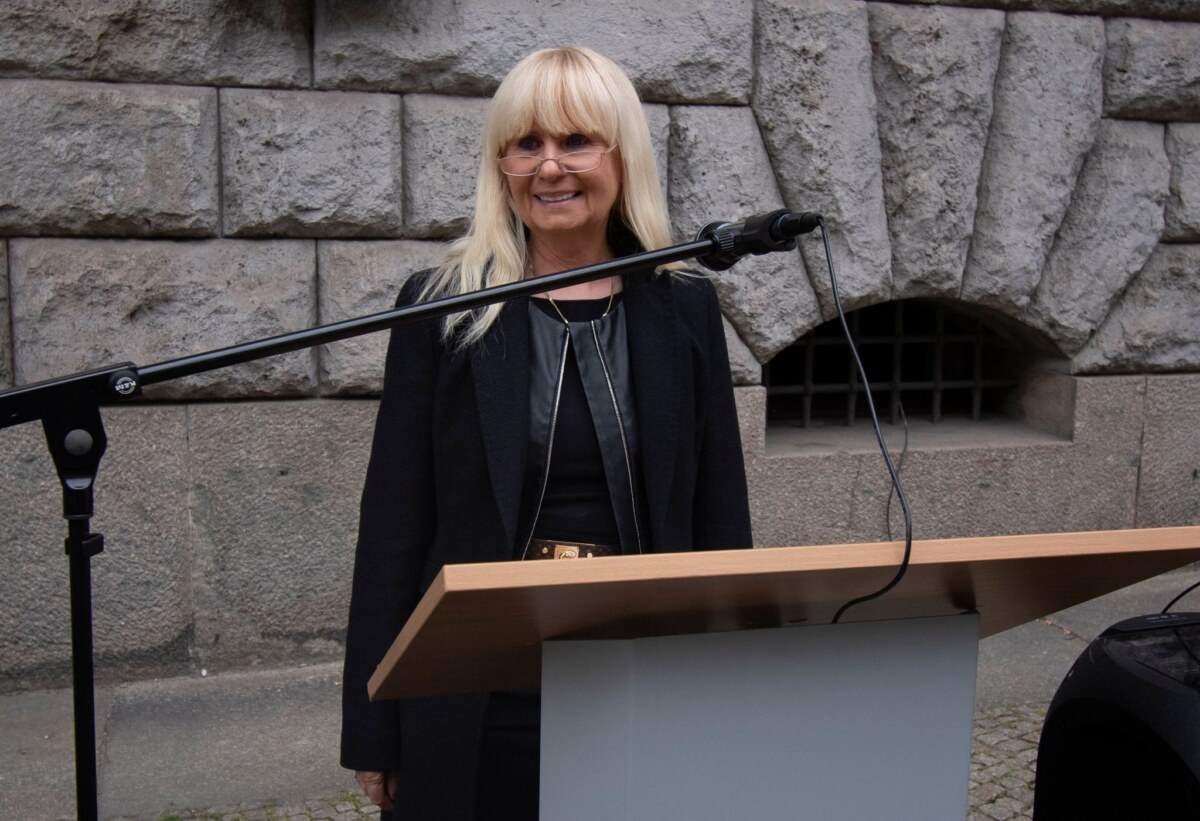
[507,786]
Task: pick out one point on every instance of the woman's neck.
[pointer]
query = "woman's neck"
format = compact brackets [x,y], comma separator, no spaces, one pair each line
[550,258]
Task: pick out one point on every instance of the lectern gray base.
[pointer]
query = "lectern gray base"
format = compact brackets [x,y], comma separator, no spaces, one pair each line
[851,721]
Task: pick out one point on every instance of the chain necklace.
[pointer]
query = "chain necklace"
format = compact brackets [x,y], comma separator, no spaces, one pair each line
[612,290]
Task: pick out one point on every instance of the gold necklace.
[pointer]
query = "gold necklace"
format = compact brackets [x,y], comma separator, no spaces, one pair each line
[612,290]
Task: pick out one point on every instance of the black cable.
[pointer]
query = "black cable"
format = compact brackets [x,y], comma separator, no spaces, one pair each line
[887,459]
[1171,603]
[899,469]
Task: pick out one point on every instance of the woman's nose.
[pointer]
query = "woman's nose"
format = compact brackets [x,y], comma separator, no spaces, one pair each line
[550,168]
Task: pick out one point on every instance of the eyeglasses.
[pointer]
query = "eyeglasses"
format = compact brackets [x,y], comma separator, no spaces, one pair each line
[573,162]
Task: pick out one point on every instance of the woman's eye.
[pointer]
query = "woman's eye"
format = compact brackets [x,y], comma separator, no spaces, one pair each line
[576,141]
[528,144]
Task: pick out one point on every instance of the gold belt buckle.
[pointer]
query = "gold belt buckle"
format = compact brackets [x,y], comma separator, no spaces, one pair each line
[566,551]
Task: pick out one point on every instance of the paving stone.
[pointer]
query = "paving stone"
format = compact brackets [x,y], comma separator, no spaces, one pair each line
[356,279]
[720,171]
[141,612]
[815,103]
[1183,203]
[1152,70]
[1152,327]
[934,70]
[274,514]
[103,159]
[673,51]
[1123,182]
[79,304]
[299,163]
[1047,110]
[1169,481]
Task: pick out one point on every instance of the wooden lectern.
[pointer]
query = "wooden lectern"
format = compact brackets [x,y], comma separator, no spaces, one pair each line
[711,685]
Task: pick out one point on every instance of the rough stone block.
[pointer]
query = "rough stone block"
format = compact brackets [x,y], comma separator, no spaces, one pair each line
[1183,204]
[300,163]
[1169,485]
[934,70]
[202,42]
[85,158]
[141,584]
[5,328]
[673,52]
[1123,183]
[745,369]
[1152,327]
[274,513]
[752,418]
[658,120]
[1152,70]
[1164,9]
[1047,110]
[815,104]
[720,171]
[442,137]
[359,278]
[80,304]
[961,478]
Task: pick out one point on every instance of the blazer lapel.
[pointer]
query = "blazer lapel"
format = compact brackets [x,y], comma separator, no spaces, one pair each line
[654,358]
[500,368]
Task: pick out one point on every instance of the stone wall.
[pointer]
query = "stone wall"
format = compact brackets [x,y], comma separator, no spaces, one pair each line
[177,176]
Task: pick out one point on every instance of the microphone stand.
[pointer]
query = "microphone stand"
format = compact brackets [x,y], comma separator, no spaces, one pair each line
[69,409]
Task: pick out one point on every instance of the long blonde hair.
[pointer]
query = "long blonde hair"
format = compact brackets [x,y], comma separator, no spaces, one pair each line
[562,91]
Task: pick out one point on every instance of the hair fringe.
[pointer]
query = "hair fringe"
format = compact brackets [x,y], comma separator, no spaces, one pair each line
[562,89]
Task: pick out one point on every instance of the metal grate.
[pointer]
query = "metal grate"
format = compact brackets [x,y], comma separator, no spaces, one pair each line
[939,361]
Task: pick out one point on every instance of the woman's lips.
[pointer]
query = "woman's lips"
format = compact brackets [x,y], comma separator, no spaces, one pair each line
[561,196]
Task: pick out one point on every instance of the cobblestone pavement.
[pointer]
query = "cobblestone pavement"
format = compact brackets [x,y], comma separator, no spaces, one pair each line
[1003,752]
[1002,762]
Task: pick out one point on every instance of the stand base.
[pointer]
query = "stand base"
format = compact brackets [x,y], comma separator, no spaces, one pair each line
[864,720]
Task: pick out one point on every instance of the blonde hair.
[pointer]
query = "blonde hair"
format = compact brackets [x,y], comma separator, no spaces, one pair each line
[562,91]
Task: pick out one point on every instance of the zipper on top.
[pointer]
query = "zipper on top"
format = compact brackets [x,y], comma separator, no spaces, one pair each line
[621,428]
[562,366]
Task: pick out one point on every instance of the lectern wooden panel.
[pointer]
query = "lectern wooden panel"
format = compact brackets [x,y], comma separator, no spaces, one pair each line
[481,626]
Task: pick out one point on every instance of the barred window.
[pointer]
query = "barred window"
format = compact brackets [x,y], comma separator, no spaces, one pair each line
[935,356]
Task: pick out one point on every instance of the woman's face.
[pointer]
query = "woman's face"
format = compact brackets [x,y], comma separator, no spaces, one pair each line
[554,204]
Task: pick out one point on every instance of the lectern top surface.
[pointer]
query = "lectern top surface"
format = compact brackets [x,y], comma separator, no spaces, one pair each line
[480,626]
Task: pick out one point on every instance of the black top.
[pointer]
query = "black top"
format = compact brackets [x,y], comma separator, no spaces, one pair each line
[577,506]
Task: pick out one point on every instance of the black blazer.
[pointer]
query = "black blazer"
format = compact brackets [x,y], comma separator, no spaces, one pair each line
[444,485]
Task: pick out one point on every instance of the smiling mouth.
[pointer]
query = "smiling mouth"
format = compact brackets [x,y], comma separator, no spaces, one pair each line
[558,197]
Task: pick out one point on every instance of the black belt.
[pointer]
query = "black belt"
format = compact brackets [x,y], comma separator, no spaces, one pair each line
[557,549]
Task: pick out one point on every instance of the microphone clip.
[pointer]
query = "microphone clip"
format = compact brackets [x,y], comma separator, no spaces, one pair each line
[760,234]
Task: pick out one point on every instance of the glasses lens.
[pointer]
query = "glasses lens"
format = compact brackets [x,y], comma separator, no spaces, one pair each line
[575,162]
[579,161]
[519,165]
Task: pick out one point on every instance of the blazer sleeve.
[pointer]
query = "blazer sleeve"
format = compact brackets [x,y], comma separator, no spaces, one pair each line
[396,524]
[721,508]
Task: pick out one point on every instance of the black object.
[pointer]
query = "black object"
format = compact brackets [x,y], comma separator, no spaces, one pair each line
[1122,736]
[760,234]
[69,408]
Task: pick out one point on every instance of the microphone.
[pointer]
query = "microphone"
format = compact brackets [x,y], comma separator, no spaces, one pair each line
[760,234]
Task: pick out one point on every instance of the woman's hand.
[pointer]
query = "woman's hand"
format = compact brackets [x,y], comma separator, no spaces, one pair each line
[379,788]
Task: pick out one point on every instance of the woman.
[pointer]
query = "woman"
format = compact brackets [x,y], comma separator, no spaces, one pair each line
[597,419]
